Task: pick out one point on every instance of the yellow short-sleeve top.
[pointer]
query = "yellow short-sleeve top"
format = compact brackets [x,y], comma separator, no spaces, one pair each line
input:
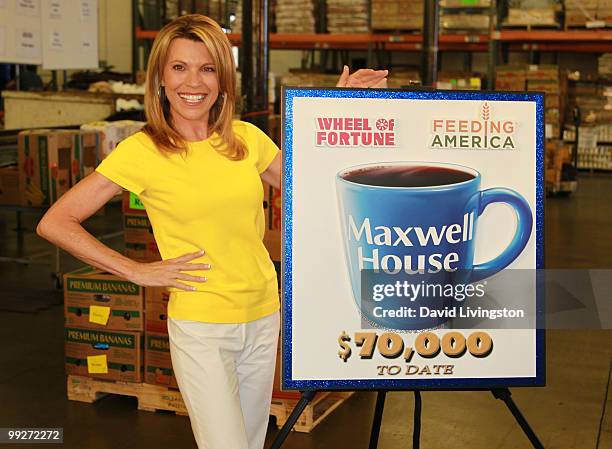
[202,200]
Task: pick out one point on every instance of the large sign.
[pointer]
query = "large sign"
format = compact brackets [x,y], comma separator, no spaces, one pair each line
[413,228]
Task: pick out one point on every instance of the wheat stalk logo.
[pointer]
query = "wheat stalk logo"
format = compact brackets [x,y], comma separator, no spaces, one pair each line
[486,111]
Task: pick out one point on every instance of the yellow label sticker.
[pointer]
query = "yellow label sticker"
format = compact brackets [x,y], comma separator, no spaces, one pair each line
[99,314]
[96,364]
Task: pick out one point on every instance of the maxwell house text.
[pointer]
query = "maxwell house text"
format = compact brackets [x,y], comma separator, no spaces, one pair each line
[370,237]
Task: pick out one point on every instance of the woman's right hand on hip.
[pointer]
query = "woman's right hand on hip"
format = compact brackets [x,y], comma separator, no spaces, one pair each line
[168,273]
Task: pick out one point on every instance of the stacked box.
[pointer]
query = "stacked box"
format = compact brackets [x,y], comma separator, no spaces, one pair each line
[397,14]
[532,12]
[460,21]
[542,78]
[104,354]
[295,17]
[604,11]
[99,300]
[156,309]
[9,186]
[548,79]
[557,154]
[580,12]
[594,147]
[459,80]
[104,319]
[347,16]
[532,16]
[85,154]
[111,133]
[138,235]
[44,166]
[464,15]
[51,161]
[512,78]
[604,65]
[158,364]
[465,3]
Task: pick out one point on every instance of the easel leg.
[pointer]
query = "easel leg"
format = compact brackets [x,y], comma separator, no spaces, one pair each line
[307,396]
[378,413]
[416,432]
[505,395]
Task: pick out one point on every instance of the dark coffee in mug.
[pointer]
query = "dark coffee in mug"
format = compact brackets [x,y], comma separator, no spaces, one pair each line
[407,176]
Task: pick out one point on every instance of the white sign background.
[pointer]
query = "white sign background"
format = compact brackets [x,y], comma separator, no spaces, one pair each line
[71,28]
[322,304]
[20,26]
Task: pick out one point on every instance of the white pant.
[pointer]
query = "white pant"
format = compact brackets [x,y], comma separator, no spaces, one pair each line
[225,373]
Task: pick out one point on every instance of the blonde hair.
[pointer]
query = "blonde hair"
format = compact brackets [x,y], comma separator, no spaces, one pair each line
[159,128]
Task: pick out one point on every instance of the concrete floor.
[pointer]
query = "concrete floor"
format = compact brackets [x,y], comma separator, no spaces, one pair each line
[574,410]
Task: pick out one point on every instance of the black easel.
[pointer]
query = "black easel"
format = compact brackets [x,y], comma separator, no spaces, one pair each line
[499,393]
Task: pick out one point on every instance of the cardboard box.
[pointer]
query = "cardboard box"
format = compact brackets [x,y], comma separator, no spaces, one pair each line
[552,176]
[542,72]
[158,364]
[121,300]
[9,186]
[84,159]
[552,101]
[111,133]
[156,309]
[139,239]
[546,86]
[273,212]
[89,352]
[131,204]
[44,165]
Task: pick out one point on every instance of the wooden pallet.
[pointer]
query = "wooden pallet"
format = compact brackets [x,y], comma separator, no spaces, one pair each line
[150,397]
[315,412]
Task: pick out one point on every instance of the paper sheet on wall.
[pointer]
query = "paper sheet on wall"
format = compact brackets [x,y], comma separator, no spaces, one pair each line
[28,8]
[56,9]
[87,41]
[56,41]
[28,43]
[87,13]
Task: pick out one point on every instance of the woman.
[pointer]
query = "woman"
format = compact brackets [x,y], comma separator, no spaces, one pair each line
[198,173]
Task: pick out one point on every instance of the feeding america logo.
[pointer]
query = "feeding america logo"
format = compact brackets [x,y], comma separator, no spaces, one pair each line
[483,133]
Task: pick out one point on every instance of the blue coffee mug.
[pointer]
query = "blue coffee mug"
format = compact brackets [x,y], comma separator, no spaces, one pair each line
[400,225]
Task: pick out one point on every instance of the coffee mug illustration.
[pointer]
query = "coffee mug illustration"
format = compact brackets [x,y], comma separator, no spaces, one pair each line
[417,221]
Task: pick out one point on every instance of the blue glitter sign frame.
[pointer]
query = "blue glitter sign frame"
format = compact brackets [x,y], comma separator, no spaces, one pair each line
[288,96]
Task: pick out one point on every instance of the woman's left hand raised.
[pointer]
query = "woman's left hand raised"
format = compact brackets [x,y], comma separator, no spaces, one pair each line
[364,78]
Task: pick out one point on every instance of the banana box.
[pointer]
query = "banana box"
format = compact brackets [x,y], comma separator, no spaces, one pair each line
[99,300]
[156,309]
[158,364]
[140,242]
[111,355]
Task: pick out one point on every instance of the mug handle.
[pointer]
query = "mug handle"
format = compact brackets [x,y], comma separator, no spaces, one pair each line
[521,235]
